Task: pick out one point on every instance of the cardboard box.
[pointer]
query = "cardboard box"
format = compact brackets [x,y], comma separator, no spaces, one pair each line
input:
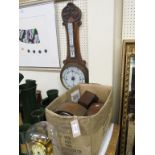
[92,128]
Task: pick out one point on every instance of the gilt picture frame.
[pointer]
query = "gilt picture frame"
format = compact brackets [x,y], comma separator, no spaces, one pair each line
[127,86]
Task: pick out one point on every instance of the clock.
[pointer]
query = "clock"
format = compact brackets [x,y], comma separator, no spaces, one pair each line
[74,70]
[38,139]
[38,149]
[41,148]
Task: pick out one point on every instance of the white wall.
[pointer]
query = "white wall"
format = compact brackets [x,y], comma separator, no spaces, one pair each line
[100,43]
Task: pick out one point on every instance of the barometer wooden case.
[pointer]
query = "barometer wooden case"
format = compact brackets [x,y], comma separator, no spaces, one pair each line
[74,70]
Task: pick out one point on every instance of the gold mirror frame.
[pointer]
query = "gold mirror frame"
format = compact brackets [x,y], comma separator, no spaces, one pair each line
[128,52]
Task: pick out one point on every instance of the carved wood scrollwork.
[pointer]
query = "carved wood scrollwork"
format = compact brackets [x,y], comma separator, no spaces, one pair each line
[72,14]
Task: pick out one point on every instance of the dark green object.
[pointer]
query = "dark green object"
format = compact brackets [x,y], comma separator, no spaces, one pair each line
[22,138]
[45,102]
[38,115]
[20,77]
[30,82]
[52,94]
[28,99]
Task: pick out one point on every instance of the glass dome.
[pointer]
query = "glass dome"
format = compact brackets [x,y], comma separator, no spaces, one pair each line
[41,139]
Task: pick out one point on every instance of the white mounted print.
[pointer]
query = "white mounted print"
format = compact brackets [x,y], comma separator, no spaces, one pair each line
[38,46]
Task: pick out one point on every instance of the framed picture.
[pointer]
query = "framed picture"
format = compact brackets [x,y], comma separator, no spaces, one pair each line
[38,44]
[127,113]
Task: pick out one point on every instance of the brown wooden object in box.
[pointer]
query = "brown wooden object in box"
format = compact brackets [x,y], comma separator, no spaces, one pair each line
[87,99]
[94,108]
[70,109]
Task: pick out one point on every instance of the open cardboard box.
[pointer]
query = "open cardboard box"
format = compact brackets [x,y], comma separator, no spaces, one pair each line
[92,128]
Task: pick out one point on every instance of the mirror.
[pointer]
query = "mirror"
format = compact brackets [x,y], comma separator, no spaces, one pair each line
[127,115]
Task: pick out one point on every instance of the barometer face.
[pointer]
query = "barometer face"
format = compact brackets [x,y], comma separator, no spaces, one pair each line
[72,75]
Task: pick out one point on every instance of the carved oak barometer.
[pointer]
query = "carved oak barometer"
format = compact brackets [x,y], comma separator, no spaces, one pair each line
[74,70]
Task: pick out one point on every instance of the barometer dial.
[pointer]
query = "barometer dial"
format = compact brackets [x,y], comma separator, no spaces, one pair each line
[71,76]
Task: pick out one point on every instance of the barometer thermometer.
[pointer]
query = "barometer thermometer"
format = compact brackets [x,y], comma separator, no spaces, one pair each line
[74,70]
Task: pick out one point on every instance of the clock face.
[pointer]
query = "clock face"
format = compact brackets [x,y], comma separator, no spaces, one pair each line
[72,76]
[38,149]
